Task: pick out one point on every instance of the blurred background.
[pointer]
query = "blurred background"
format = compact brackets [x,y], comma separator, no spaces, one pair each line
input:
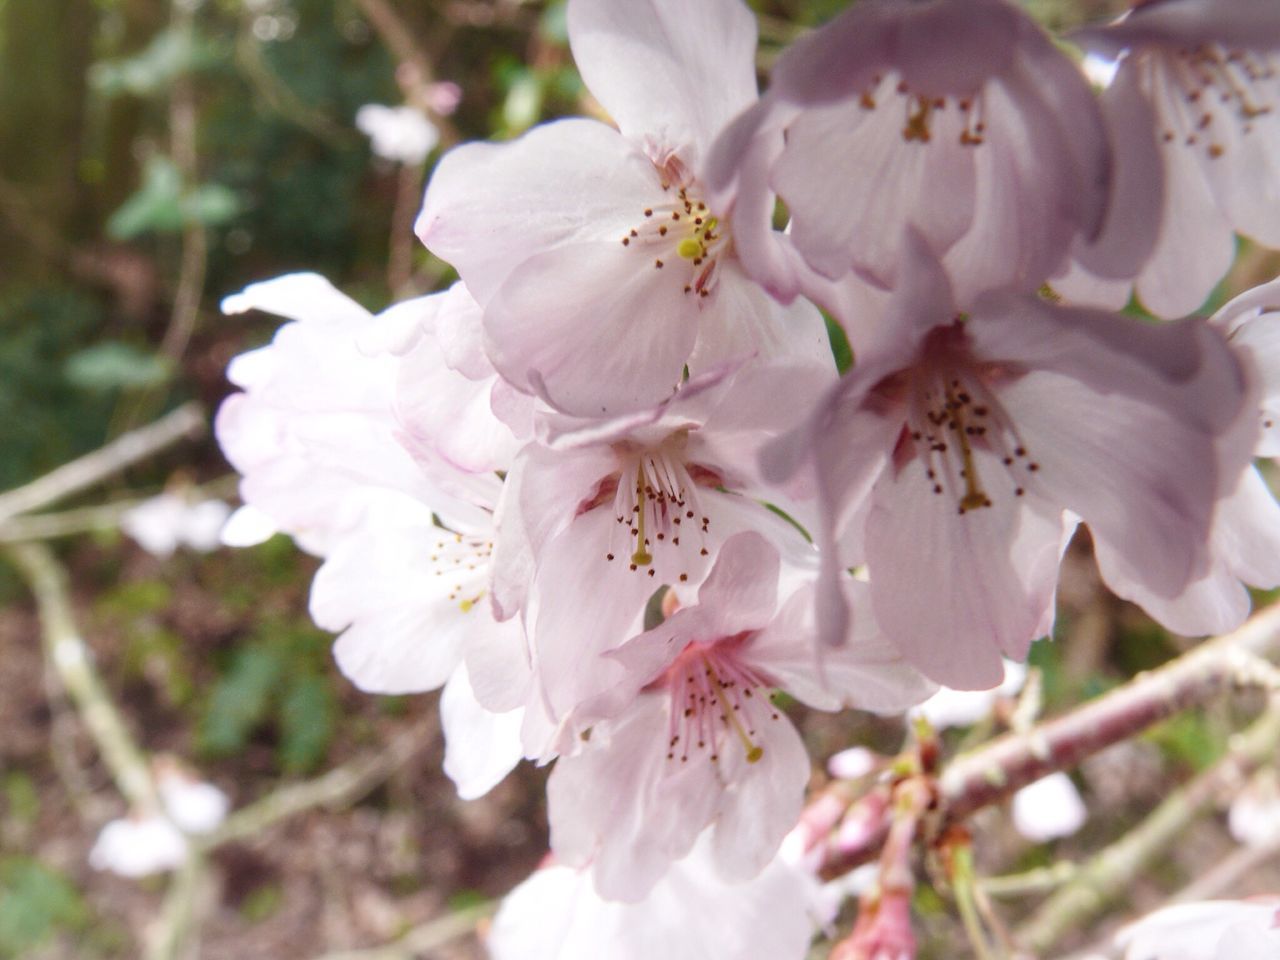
[155,157]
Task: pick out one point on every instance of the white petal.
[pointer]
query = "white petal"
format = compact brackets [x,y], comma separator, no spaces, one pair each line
[481,747]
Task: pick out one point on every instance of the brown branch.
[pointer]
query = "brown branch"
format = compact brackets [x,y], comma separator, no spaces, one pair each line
[993,772]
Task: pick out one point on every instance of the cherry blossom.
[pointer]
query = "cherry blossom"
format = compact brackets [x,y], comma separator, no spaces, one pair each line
[1195,100]
[1049,808]
[403,134]
[1244,542]
[690,737]
[955,451]
[1207,930]
[163,523]
[601,268]
[690,914]
[603,513]
[958,117]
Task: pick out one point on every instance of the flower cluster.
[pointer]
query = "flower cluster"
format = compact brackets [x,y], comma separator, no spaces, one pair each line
[611,492]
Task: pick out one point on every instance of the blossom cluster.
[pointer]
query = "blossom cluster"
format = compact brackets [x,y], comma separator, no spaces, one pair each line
[611,492]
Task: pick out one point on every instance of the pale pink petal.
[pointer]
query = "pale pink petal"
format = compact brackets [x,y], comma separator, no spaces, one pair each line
[481,747]
[614,340]
[953,617]
[490,205]
[762,801]
[1049,808]
[650,65]
[1195,246]
[305,297]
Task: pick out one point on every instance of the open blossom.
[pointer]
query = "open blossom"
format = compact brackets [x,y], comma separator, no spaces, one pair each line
[690,737]
[1195,98]
[959,117]
[599,264]
[603,513]
[406,531]
[1244,542]
[313,433]
[947,459]
[690,914]
[1208,930]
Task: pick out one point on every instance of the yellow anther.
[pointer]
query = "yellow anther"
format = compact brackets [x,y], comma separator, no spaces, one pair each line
[689,248]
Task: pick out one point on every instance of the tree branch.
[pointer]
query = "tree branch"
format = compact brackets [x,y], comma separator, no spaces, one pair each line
[993,772]
[188,421]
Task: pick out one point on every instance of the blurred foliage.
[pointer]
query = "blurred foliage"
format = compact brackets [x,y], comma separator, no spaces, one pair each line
[35,903]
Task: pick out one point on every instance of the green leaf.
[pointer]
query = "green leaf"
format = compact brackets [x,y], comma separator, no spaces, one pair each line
[35,902]
[240,700]
[115,366]
[170,55]
[306,723]
[157,205]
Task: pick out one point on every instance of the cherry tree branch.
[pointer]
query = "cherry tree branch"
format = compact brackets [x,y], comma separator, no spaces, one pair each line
[186,422]
[71,659]
[994,772]
[1105,877]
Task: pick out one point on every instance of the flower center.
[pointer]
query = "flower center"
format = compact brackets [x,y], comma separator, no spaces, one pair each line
[928,117]
[716,698]
[953,415]
[465,561]
[1197,93]
[681,228]
[656,506]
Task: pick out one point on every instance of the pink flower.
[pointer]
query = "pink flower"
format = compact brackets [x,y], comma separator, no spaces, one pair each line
[690,737]
[602,514]
[956,116]
[599,264]
[690,914]
[946,460]
[1193,105]
[1209,930]
[1244,542]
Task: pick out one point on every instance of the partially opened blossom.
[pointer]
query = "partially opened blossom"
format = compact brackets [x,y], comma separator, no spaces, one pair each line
[1244,542]
[1207,930]
[1197,91]
[959,117]
[603,513]
[690,737]
[601,268]
[690,914]
[955,451]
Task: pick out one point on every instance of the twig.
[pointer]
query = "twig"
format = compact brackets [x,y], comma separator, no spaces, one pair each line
[195,240]
[428,936]
[176,928]
[338,788]
[1224,874]
[188,421]
[1107,875]
[415,73]
[1039,880]
[69,656]
[994,772]
[403,242]
[96,519]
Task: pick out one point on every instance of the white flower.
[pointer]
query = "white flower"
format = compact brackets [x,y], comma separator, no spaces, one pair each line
[1254,816]
[1049,808]
[1210,930]
[139,847]
[403,134]
[164,523]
